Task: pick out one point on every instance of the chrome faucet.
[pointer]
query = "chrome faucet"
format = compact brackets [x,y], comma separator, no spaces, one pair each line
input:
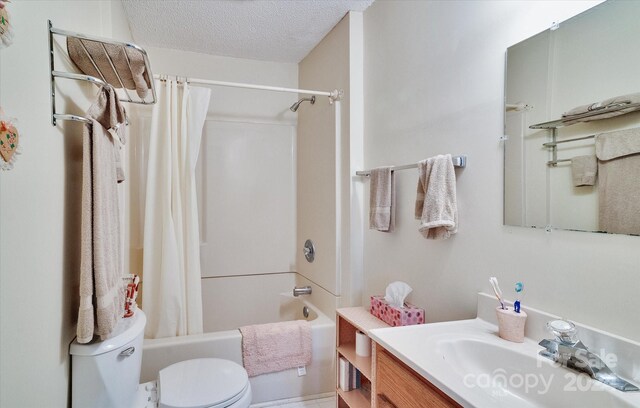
[301,290]
[569,351]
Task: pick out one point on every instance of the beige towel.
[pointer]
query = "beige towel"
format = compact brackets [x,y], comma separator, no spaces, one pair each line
[129,64]
[102,291]
[576,114]
[436,204]
[618,182]
[584,170]
[382,197]
[272,347]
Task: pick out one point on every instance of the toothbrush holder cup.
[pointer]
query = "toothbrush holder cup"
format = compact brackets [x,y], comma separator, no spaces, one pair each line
[511,324]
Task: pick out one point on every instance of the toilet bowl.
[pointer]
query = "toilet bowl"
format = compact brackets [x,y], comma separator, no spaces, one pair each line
[106,374]
[204,382]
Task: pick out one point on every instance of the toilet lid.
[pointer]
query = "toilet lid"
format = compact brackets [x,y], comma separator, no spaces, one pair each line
[203,382]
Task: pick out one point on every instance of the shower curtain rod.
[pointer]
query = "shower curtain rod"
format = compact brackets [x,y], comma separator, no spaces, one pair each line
[334,95]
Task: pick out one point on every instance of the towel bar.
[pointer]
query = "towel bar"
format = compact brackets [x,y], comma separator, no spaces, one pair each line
[89,78]
[458,161]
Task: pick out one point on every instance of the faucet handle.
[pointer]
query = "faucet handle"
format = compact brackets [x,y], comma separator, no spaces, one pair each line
[564,331]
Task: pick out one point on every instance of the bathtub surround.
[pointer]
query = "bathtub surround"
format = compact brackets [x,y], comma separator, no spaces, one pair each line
[101,284]
[171,267]
[249,140]
[273,347]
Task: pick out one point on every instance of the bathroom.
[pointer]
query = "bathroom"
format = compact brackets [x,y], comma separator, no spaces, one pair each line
[420,78]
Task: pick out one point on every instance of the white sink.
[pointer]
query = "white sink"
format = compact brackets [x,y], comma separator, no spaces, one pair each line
[467,360]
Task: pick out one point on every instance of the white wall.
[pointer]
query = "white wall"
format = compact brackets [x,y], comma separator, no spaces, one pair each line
[329,149]
[434,75]
[39,203]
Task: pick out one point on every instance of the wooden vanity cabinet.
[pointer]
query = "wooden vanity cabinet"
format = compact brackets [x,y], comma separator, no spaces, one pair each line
[399,386]
[348,321]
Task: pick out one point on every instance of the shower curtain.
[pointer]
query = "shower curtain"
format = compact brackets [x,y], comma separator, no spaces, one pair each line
[172,298]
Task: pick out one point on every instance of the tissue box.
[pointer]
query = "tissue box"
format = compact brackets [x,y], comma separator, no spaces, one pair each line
[393,316]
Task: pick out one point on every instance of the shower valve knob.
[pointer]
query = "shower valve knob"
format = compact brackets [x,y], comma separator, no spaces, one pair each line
[309,251]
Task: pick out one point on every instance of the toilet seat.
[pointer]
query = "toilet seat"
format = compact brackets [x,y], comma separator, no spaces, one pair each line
[202,383]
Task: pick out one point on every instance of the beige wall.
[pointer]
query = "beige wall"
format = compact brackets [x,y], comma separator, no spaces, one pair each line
[326,159]
[39,203]
[434,75]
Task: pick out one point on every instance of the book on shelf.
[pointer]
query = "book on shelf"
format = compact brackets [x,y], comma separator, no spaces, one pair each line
[349,377]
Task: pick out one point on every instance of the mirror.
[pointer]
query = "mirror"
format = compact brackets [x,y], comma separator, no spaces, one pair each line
[588,59]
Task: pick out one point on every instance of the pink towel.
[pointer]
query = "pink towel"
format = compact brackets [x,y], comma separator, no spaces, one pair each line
[272,347]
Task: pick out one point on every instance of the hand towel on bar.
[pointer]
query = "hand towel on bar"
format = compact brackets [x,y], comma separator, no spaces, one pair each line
[113,118]
[382,197]
[618,184]
[128,62]
[576,114]
[436,204]
[272,347]
[102,291]
[584,170]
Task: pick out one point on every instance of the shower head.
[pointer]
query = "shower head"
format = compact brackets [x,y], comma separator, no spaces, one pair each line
[296,105]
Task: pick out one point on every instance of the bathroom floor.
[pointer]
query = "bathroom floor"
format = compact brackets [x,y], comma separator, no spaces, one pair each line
[329,402]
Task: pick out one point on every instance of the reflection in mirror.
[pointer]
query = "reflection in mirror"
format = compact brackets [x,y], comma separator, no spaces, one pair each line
[580,171]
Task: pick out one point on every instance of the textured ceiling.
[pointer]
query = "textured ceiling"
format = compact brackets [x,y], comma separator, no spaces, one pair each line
[270,30]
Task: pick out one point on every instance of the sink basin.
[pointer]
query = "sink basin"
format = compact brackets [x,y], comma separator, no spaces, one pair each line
[468,361]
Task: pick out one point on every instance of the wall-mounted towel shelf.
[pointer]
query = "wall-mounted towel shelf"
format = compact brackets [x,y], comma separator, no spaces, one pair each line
[458,161]
[558,123]
[103,42]
[555,124]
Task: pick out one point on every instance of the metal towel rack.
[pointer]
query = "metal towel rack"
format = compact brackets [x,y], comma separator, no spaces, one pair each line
[558,123]
[555,124]
[458,161]
[92,79]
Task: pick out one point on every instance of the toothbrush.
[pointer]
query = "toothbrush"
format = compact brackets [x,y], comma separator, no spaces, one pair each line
[519,292]
[496,289]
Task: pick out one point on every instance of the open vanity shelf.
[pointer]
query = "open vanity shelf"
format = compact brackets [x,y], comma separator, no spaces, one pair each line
[348,321]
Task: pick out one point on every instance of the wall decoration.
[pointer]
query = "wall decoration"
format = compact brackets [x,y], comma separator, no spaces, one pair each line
[9,142]
[6,31]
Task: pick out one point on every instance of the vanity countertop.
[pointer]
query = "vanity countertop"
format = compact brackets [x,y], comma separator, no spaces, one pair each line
[468,361]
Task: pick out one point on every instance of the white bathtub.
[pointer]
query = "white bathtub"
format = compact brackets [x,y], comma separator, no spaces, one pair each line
[227,344]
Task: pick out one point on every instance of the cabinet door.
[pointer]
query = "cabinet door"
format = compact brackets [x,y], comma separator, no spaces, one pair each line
[398,386]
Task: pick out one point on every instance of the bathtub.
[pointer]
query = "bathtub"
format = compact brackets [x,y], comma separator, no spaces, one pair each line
[227,344]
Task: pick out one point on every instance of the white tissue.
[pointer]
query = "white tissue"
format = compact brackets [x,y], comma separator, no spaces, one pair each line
[396,293]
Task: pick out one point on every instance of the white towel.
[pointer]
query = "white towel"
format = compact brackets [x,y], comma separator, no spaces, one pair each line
[382,197]
[272,347]
[436,204]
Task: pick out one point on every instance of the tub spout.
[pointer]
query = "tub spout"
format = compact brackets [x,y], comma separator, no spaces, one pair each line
[304,290]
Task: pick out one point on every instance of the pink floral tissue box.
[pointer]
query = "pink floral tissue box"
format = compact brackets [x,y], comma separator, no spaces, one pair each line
[393,316]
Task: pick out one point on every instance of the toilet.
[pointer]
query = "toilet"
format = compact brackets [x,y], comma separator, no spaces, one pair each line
[106,374]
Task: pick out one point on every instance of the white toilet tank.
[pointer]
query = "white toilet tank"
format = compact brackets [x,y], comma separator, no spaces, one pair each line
[106,373]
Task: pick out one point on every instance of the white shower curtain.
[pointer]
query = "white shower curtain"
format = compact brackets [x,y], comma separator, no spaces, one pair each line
[171,297]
